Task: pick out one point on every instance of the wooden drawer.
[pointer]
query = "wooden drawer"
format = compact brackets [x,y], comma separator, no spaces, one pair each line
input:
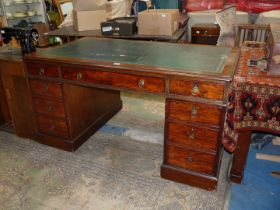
[127,81]
[206,90]
[195,112]
[44,88]
[205,30]
[190,159]
[193,136]
[55,127]
[49,107]
[42,70]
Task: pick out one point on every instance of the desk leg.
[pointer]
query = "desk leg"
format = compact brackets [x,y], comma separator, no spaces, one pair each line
[240,157]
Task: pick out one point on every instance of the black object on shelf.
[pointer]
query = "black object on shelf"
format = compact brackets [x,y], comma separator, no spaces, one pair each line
[123,26]
[27,37]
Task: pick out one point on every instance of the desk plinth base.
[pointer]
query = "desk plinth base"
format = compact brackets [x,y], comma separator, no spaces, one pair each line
[73,144]
[188,177]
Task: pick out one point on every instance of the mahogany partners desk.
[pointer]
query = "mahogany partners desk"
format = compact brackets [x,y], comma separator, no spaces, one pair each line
[76,89]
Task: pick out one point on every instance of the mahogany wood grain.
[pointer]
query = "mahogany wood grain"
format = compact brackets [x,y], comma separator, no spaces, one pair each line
[73,144]
[49,107]
[133,82]
[53,126]
[195,112]
[86,105]
[187,177]
[17,96]
[204,89]
[45,88]
[193,135]
[38,69]
[88,108]
[191,159]
[240,156]
[21,109]
[4,109]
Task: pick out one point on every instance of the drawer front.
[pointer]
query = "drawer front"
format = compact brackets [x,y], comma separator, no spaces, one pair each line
[132,82]
[195,112]
[190,159]
[37,69]
[49,107]
[55,127]
[43,88]
[193,136]
[205,31]
[206,90]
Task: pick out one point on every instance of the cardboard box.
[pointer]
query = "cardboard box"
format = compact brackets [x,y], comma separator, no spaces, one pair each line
[88,5]
[118,8]
[158,22]
[3,21]
[88,20]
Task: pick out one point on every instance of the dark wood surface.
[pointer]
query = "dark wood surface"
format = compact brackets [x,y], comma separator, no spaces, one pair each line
[96,83]
[133,82]
[205,34]
[17,95]
[240,156]
[66,114]
[70,32]
[4,109]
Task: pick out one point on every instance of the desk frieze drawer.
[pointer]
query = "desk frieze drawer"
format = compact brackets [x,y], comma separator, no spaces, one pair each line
[203,89]
[127,81]
[44,88]
[193,136]
[42,70]
[195,112]
[190,159]
[51,126]
[49,107]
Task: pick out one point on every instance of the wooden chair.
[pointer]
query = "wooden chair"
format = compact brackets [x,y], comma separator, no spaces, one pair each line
[251,32]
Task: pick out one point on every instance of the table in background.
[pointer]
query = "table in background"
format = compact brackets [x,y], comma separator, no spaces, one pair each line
[69,33]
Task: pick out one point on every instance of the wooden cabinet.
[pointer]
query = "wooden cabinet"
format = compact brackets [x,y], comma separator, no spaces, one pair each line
[205,34]
[69,106]
[193,134]
[125,81]
[16,95]
[66,115]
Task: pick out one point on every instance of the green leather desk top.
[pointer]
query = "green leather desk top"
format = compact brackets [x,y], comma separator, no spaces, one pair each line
[178,57]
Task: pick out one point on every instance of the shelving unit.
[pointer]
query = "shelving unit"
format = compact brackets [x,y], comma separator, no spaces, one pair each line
[17,10]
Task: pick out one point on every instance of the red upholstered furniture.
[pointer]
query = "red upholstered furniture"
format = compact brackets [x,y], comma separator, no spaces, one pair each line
[254,101]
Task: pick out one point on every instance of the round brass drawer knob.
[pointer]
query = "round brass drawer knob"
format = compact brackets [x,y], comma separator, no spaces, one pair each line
[191,134]
[195,89]
[41,71]
[141,83]
[79,76]
[194,111]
